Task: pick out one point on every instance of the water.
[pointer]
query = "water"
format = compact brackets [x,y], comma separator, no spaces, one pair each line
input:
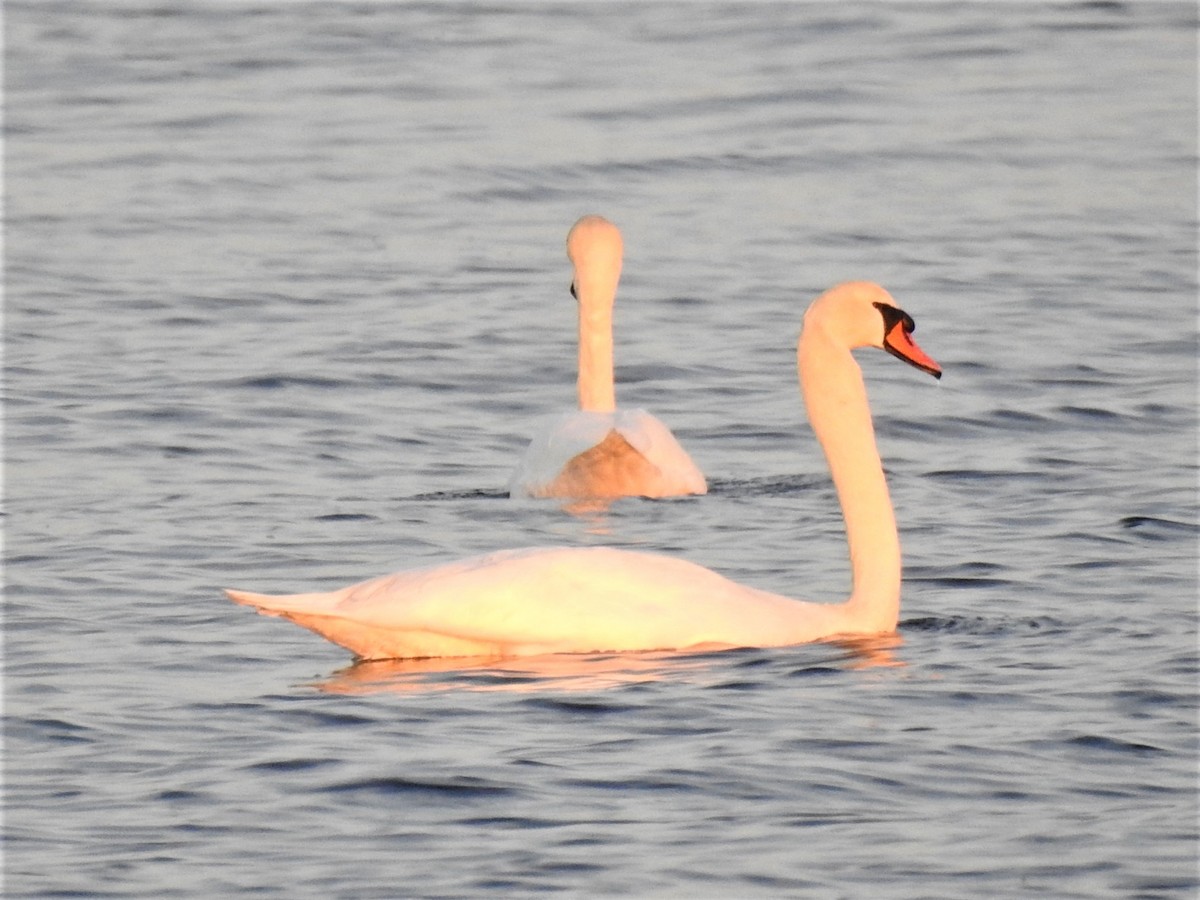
[286,290]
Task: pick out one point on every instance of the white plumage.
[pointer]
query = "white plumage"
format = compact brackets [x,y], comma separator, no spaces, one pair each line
[577,600]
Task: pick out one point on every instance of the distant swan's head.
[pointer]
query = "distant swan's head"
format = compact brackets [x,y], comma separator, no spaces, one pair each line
[594,247]
[862,314]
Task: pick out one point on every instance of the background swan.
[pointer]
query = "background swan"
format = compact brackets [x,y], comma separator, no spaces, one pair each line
[598,450]
[545,600]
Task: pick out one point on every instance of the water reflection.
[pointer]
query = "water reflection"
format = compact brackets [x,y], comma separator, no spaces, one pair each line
[571,672]
[555,671]
[871,651]
[593,511]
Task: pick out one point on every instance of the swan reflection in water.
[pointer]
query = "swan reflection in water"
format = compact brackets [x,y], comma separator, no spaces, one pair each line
[567,672]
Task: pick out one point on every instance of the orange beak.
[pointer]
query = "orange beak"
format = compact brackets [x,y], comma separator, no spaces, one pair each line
[897,340]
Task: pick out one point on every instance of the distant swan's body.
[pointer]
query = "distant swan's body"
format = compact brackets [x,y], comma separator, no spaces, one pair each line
[600,451]
[545,600]
[589,454]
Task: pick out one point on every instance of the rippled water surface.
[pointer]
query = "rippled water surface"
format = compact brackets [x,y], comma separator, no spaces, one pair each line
[286,291]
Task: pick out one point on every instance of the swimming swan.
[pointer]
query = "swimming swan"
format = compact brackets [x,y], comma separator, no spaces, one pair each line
[564,600]
[599,451]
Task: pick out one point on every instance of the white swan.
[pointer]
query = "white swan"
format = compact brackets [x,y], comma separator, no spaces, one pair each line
[544,600]
[599,451]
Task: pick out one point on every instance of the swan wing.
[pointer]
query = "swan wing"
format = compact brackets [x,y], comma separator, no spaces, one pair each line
[654,441]
[556,440]
[541,600]
[613,454]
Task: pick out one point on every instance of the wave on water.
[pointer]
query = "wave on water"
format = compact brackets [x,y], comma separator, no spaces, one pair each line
[280,382]
[765,486]
[475,494]
[982,625]
[459,787]
[1152,528]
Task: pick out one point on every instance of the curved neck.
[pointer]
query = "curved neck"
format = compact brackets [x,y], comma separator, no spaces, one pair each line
[840,416]
[596,391]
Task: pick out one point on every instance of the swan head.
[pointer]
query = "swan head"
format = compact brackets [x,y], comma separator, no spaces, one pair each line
[594,247]
[862,314]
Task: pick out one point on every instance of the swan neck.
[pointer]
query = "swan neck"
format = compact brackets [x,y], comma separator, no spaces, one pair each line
[596,391]
[840,415]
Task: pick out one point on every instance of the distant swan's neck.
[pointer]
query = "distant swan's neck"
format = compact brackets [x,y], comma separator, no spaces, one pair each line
[596,392]
[840,416]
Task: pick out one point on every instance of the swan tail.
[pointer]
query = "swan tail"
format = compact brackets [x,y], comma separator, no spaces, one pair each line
[281,604]
[366,640]
[312,611]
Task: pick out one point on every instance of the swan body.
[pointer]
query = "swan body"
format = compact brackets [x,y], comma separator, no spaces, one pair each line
[545,600]
[578,600]
[600,451]
[591,454]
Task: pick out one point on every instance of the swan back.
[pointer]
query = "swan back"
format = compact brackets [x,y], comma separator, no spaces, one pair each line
[623,453]
[550,600]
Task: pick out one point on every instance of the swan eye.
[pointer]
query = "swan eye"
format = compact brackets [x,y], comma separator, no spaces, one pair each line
[893,315]
[573,294]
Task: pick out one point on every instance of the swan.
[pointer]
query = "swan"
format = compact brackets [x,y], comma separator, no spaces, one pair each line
[600,451]
[578,600]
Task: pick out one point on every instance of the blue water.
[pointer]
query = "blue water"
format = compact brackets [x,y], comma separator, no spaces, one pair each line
[286,291]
